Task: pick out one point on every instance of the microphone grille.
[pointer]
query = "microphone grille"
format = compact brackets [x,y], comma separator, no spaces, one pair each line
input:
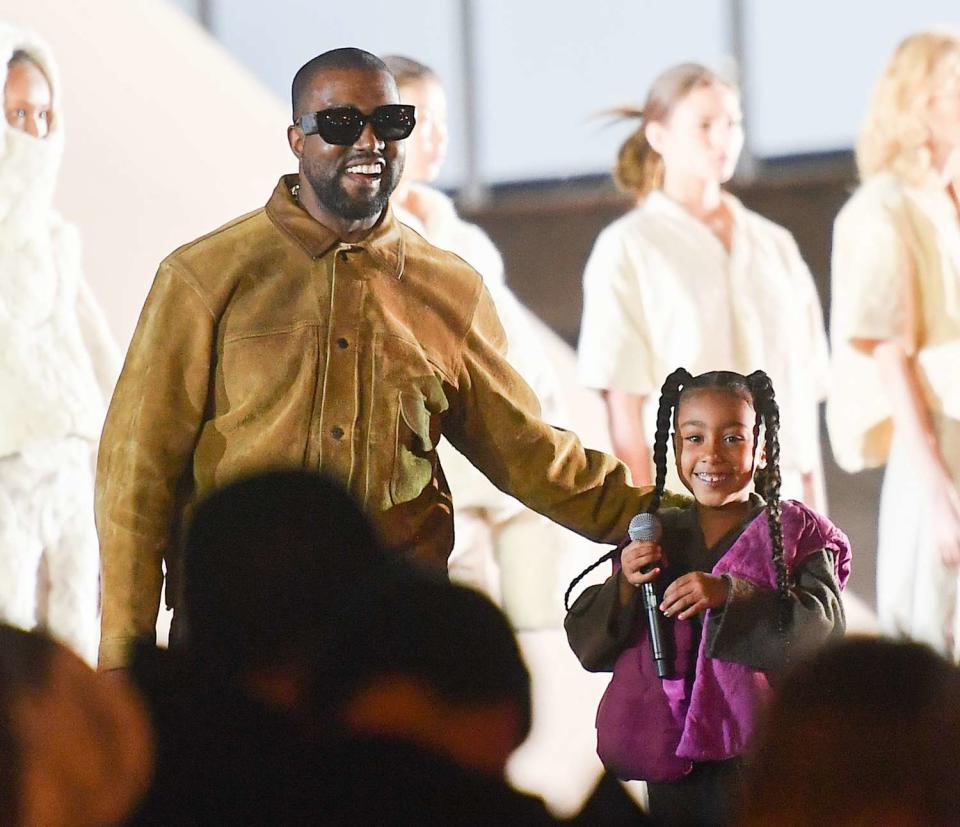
[645,527]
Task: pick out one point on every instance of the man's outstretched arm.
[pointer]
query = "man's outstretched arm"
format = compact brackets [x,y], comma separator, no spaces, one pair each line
[494,420]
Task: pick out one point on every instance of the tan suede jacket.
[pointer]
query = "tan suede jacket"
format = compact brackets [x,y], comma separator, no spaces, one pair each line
[270,343]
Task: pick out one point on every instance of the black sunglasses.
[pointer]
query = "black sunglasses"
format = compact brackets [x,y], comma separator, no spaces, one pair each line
[343,125]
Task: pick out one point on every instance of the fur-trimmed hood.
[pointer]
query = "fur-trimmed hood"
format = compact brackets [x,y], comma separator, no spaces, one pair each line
[28,166]
[57,357]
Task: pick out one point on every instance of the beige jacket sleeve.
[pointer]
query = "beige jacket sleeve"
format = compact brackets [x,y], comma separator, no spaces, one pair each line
[494,420]
[615,351]
[867,302]
[145,452]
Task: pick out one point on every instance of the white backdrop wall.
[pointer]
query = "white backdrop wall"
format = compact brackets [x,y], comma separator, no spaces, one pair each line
[809,67]
[167,137]
[547,69]
[544,68]
[275,39]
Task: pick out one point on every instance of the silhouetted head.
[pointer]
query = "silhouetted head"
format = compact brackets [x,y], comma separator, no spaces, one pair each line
[432,662]
[270,562]
[75,745]
[865,732]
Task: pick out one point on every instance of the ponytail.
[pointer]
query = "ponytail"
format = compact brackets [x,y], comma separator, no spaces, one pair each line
[639,167]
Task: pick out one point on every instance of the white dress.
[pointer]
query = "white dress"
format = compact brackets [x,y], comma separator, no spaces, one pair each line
[58,364]
[661,292]
[896,274]
[518,557]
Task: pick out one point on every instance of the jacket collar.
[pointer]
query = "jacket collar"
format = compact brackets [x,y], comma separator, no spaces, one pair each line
[384,242]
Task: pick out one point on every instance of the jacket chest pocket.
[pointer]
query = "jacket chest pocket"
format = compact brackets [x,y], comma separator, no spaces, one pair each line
[416,402]
[415,459]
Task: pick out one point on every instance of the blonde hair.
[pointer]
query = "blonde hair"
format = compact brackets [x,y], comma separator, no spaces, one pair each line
[406,71]
[894,136]
[639,167]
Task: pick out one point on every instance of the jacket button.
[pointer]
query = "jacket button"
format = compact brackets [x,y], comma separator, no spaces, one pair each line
[337,433]
[343,255]
[342,343]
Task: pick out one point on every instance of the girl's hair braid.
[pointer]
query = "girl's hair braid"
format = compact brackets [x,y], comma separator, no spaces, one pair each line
[669,396]
[768,411]
[566,595]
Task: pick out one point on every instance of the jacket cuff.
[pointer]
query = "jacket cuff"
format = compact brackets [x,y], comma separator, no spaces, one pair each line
[115,653]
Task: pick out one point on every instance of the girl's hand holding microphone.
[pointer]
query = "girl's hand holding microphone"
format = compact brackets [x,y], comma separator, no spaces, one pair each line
[640,562]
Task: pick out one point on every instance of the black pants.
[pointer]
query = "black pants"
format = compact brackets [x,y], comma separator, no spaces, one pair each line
[706,796]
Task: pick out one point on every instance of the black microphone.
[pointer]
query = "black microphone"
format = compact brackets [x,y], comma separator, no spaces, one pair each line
[646,528]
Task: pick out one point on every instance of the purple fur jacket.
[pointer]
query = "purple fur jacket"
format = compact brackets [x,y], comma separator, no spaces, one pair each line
[654,729]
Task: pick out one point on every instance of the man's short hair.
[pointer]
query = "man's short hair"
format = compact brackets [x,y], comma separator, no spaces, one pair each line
[270,563]
[345,58]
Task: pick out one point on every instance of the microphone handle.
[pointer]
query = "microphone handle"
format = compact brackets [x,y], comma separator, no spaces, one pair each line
[656,632]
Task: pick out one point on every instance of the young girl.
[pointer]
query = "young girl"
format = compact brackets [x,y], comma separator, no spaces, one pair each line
[744,583]
[690,276]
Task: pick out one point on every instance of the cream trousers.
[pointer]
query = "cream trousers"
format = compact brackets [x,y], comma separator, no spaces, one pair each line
[49,556]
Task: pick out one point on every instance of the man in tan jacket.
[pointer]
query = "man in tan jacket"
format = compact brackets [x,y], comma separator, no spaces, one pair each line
[319,332]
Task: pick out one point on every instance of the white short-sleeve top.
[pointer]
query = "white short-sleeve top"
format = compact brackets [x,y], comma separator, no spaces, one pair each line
[895,274]
[661,291]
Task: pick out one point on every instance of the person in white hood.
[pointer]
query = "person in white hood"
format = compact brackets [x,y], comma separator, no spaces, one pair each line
[58,363]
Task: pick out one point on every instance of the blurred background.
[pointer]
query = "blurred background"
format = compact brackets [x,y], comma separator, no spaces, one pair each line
[176,113]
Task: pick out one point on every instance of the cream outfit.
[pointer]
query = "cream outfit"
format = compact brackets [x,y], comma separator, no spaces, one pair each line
[661,292]
[515,555]
[58,363]
[896,273]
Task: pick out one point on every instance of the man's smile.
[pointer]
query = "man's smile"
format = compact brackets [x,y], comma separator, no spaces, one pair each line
[366,171]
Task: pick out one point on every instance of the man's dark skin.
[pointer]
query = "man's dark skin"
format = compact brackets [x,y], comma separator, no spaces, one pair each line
[203,410]
[349,203]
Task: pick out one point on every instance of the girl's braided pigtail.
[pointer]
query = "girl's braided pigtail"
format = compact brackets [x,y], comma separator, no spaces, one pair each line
[669,395]
[669,398]
[768,411]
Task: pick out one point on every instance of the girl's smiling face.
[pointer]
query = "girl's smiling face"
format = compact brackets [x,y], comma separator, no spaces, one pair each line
[714,445]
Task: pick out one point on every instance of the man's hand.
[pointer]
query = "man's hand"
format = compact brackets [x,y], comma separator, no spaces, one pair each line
[694,593]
